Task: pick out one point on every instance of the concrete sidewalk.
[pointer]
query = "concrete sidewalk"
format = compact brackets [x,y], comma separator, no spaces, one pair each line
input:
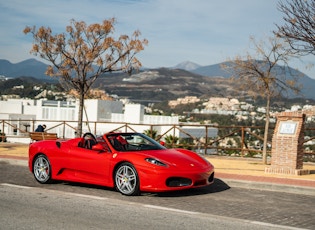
[235,172]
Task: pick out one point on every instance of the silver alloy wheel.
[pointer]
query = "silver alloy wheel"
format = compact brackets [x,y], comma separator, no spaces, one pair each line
[126,180]
[41,169]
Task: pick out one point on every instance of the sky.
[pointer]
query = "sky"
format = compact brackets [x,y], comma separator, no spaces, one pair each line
[205,32]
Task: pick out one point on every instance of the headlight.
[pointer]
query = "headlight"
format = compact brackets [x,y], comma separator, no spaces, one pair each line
[155,162]
[205,159]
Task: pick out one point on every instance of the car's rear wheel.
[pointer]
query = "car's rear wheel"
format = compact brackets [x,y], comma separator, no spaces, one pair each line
[42,169]
[127,180]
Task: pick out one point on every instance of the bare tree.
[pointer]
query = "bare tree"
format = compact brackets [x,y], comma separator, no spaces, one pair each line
[85,52]
[299,27]
[264,74]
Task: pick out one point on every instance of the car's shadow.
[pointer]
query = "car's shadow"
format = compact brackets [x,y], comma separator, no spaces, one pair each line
[217,186]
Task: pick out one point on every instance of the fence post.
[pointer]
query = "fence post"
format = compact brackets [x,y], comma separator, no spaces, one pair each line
[242,142]
[173,139]
[64,130]
[206,141]
[33,125]
[95,127]
[2,131]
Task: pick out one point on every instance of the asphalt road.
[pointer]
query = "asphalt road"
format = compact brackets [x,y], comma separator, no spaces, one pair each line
[71,205]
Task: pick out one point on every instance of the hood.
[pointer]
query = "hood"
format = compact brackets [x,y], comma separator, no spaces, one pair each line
[179,158]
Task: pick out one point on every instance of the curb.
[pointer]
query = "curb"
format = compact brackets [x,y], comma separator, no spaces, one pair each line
[272,187]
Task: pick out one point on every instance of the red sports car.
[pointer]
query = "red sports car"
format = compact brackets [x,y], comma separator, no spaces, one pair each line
[130,162]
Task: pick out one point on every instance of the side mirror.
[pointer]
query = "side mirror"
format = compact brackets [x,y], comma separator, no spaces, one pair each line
[98,147]
[162,143]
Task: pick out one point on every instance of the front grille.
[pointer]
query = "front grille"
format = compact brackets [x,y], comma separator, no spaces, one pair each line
[178,182]
[200,182]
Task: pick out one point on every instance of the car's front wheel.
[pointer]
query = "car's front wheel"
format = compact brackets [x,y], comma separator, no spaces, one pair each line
[42,169]
[127,180]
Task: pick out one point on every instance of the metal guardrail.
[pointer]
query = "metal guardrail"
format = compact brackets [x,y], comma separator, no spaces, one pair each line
[205,139]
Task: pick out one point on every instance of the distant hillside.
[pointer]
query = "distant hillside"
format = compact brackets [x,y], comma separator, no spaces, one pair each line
[212,71]
[307,83]
[187,65]
[157,84]
[13,86]
[163,84]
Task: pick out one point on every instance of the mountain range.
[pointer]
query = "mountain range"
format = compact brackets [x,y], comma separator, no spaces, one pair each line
[185,79]
[27,68]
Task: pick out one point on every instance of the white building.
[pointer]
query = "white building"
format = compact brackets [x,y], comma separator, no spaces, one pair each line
[61,117]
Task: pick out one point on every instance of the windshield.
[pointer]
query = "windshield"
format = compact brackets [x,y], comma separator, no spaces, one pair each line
[133,142]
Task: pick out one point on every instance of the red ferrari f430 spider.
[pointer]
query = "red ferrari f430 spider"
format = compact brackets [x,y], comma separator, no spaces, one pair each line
[130,162]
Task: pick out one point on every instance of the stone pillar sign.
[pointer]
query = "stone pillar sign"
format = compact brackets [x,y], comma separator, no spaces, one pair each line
[287,145]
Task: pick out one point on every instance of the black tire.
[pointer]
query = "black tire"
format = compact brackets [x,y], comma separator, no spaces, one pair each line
[42,169]
[127,180]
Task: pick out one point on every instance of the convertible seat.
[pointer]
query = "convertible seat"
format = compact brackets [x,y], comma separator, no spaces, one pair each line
[119,144]
[88,144]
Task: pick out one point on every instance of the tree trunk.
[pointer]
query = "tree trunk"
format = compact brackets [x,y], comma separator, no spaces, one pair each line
[264,156]
[80,118]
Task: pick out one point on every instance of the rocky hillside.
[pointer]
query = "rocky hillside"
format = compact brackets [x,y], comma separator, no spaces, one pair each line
[163,84]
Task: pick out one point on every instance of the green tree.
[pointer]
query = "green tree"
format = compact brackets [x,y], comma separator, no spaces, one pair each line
[84,52]
[171,140]
[151,133]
